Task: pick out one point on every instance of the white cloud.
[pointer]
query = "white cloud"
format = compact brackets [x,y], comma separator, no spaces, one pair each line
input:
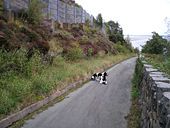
[135,16]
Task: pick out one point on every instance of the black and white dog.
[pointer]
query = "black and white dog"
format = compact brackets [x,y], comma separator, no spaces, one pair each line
[101,77]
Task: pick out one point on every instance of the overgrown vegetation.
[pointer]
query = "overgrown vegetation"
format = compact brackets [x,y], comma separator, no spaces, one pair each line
[35,63]
[157,52]
[35,12]
[156,45]
[160,62]
[134,116]
[2,6]
[20,88]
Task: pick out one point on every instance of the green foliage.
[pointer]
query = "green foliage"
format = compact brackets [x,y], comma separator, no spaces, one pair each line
[95,36]
[2,6]
[120,48]
[68,35]
[108,29]
[87,22]
[87,30]
[155,45]
[116,32]
[84,39]
[128,44]
[34,12]
[160,62]
[40,85]
[99,20]
[75,52]
[136,50]
[15,71]
[89,52]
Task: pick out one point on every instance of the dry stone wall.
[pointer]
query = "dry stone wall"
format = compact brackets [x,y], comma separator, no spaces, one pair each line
[154,98]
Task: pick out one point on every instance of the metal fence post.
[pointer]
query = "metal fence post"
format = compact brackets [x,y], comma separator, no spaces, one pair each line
[48,11]
[57,18]
[7,4]
[65,13]
[75,14]
[82,15]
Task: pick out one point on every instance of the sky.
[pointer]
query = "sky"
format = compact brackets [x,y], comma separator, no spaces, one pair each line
[136,17]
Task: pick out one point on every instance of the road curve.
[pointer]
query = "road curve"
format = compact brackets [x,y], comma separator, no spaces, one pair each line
[94,105]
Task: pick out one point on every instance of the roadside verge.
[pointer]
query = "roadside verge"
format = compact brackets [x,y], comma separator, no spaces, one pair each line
[19,115]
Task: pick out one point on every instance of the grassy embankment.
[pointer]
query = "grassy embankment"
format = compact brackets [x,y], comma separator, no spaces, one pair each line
[35,63]
[31,81]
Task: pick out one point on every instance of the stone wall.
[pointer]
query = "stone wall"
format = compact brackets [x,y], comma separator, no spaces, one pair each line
[154,98]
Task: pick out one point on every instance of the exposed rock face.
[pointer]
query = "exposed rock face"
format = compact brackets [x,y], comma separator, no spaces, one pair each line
[154,99]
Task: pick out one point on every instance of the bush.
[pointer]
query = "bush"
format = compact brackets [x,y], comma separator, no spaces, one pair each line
[2,6]
[34,12]
[87,30]
[84,39]
[75,52]
[120,48]
[17,61]
[156,45]
[16,70]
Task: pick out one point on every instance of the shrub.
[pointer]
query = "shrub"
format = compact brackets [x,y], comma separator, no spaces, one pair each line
[87,30]
[34,12]
[95,36]
[87,22]
[84,38]
[41,85]
[75,52]
[89,51]
[120,48]
[2,6]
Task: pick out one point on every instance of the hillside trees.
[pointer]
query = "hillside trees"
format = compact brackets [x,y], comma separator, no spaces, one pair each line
[116,32]
[99,20]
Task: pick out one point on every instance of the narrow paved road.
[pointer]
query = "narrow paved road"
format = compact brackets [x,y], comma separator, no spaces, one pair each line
[94,105]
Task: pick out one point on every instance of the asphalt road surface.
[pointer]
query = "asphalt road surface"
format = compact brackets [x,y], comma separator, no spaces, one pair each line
[94,105]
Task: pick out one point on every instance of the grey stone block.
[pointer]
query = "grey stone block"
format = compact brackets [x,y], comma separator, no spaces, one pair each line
[151,70]
[148,66]
[161,79]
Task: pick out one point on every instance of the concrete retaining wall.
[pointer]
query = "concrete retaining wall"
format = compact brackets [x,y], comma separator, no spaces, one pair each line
[154,98]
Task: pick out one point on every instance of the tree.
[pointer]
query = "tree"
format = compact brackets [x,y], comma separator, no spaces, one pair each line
[116,32]
[128,44]
[156,45]
[99,20]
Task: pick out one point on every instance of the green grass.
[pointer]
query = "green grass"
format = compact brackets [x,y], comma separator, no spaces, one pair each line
[134,116]
[160,62]
[37,80]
